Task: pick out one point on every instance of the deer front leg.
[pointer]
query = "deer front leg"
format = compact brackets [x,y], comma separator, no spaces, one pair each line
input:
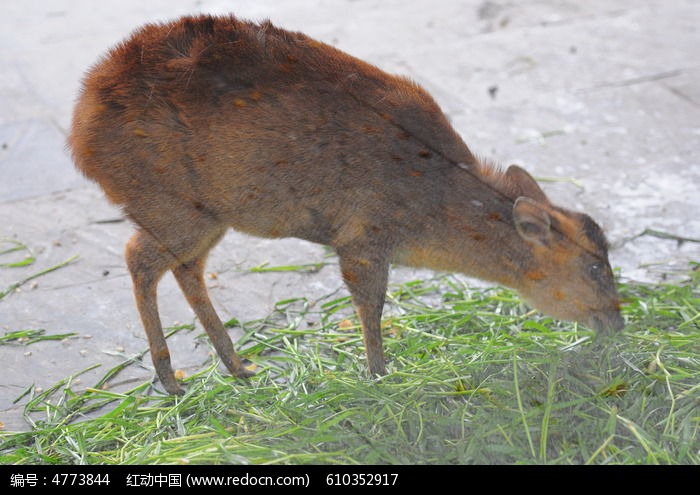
[366,278]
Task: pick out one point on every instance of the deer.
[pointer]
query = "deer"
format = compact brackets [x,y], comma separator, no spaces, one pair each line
[209,123]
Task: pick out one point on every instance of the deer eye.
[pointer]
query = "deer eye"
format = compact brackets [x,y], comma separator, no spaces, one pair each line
[596,270]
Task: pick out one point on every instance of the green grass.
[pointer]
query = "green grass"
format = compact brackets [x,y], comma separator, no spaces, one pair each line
[474,378]
[11,246]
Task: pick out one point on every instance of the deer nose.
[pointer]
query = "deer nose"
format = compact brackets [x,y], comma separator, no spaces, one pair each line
[608,321]
[616,322]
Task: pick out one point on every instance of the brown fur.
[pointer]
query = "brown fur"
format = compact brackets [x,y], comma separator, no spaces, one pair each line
[207,123]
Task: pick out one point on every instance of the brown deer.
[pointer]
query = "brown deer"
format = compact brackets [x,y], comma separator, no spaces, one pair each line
[208,123]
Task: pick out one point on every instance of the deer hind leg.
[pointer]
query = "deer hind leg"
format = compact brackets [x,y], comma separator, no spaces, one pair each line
[190,276]
[182,249]
[148,261]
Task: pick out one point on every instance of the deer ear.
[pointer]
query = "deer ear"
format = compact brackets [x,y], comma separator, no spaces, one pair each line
[532,221]
[525,184]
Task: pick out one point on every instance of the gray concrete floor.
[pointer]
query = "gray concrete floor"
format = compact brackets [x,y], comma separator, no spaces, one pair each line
[606,92]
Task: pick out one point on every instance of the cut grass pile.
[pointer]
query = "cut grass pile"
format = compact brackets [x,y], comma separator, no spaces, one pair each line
[473,378]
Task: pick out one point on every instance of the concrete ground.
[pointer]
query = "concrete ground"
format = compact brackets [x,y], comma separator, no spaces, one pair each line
[606,92]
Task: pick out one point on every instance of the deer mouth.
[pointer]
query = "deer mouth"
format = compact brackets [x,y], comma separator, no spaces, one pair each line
[606,321]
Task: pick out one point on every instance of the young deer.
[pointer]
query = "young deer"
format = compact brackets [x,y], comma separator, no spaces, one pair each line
[208,123]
